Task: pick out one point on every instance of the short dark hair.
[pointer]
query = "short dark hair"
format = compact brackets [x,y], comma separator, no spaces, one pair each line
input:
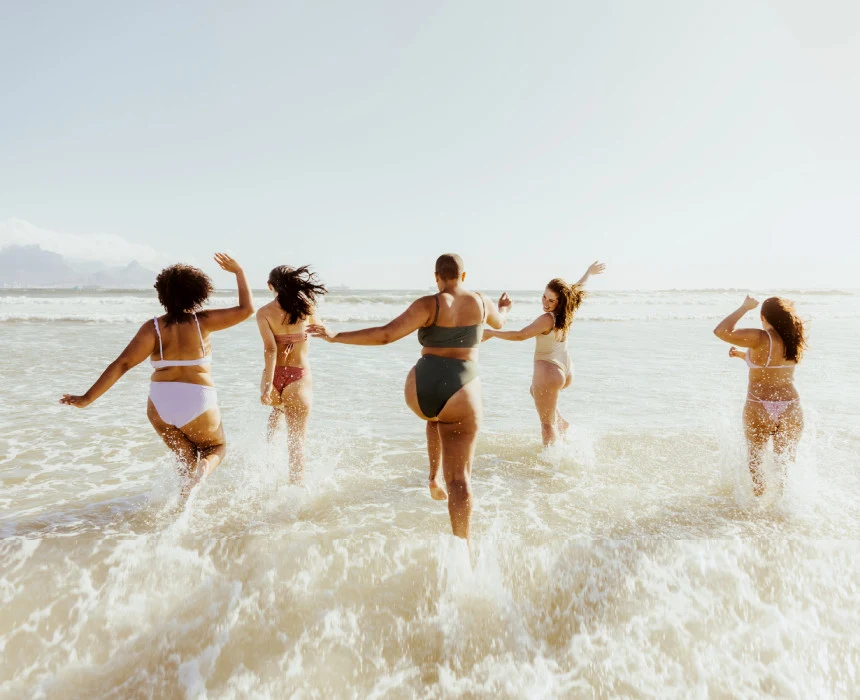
[449,266]
[182,290]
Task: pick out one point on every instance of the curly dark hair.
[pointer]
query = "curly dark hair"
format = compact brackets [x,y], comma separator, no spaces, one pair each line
[570,296]
[182,290]
[780,314]
[297,290]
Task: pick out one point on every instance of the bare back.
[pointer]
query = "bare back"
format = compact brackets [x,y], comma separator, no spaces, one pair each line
[457,308]
[292,351]
[771,375]
[182,341]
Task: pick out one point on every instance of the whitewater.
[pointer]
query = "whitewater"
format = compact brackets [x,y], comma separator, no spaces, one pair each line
[632,561]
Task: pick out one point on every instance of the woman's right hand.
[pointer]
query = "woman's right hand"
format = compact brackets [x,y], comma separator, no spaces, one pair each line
[749,303]
[734,352]
[488,333]
[227,263]
[76,401]
[505,303]
[318,330]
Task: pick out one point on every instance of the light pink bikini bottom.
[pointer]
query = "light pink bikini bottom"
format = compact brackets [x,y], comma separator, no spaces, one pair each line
[774,408]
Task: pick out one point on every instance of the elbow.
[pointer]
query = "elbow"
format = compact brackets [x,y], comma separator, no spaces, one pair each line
[247,311]
[720,333]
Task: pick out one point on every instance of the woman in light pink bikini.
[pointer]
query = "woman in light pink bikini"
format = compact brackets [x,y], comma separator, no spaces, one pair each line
[772,408]
[286,383]
[553,371]
[183,403]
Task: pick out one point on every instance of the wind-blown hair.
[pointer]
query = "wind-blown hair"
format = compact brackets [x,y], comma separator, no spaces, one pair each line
[182,290]
[780,314]
[297,290]
[570,297]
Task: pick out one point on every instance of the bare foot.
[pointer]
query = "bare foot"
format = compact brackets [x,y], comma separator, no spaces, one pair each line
[437,492]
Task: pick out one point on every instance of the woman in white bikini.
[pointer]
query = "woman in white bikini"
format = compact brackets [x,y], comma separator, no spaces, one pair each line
[772,408]
[286,383]
[183,403]
[553,371]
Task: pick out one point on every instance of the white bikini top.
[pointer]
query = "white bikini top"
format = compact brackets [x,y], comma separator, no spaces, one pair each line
[766,365]
[548,345]
[199,362]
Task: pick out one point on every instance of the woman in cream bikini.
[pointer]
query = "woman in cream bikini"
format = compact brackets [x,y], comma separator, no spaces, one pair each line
[286,383]
[443,388]
[553,371]
[772,407]
[183,403]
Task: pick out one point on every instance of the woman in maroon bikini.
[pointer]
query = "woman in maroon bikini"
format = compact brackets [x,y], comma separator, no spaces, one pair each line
[286,383]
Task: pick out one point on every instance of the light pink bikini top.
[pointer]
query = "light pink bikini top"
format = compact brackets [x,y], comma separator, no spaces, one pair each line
[199,362]
[767,364]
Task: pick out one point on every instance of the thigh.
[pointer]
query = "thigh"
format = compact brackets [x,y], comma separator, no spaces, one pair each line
[547,381]
[173,437]
[789,430]
[757,425]
[296,402]
[205,430]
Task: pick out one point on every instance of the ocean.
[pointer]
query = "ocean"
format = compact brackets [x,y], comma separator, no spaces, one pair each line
[632,561]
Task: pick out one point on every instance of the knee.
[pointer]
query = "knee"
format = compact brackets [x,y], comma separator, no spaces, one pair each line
[459,488]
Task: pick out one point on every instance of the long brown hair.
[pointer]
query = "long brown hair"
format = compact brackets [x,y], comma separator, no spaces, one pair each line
[297,290]
[780,314]
[570,296]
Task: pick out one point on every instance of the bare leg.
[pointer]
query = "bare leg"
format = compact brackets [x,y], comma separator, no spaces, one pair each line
[786,437]
[274,422]
[434,452]
[757,431]
[547,381]
[296,401]
[458,449]
[200,445]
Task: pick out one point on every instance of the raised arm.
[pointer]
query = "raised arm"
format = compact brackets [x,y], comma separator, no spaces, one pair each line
[497,314]
[540,325]
[416,316]
[745,337]
[219,319]
[596,268]
[140,347]
[270,353]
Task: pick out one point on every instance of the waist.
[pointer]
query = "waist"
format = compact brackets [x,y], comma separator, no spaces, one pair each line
[470,354]
[773,392]
[199,375]
[460,363]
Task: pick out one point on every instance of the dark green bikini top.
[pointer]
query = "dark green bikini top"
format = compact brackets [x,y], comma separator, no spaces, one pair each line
[434,336]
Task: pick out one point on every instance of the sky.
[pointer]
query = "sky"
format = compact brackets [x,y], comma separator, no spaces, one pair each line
[687,145]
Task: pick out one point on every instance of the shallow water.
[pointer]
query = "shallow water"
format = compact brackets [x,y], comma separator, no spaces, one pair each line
[632,561]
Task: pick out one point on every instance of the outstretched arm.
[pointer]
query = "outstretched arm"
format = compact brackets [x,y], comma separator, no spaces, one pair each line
[140,347]
[270,353]
[745,337]
[219,319]
[416,316]
[497,314]
[596,268]
[540,325]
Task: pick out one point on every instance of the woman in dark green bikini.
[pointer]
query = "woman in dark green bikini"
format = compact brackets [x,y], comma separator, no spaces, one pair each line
[443,388]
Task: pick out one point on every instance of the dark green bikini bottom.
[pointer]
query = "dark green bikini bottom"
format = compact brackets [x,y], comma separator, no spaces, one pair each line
[437,379]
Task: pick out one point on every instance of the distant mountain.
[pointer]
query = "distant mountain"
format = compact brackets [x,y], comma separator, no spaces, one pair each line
[31,266]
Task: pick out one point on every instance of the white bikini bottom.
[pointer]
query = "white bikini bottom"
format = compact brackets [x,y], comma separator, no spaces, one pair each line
[179,403]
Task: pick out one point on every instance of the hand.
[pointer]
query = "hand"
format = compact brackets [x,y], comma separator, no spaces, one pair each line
[488,333]
[734,352]
[265,393]
[596,268]
[318,330]
[76,401]
[749,303]
[505,303]
[227,263]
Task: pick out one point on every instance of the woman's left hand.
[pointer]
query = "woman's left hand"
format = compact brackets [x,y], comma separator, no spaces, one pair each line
[318,330]
[596,268]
